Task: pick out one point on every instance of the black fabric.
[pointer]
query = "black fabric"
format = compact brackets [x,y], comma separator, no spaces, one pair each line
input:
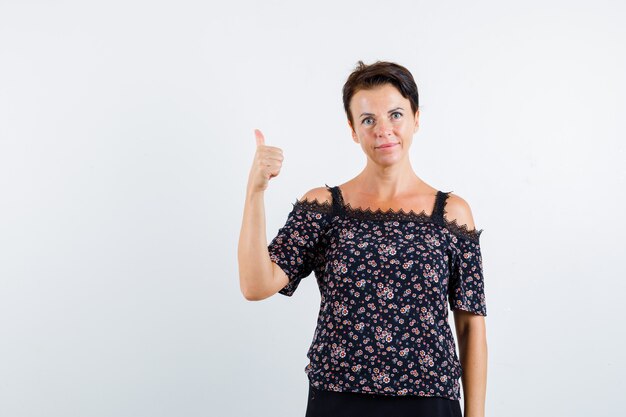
[385,277]
[440,202]
[322,403]
[336,198]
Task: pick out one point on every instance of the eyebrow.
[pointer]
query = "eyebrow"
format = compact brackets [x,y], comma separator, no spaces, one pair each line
[390,111]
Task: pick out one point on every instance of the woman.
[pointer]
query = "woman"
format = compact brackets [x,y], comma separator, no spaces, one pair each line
[389,252]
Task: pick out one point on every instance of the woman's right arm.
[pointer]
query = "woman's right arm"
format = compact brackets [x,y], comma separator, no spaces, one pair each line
[259,277]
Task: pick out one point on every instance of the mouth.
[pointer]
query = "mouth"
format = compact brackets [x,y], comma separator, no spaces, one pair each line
[387,145]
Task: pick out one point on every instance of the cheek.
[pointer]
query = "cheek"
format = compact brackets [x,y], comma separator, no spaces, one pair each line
[366,133]
[407,129]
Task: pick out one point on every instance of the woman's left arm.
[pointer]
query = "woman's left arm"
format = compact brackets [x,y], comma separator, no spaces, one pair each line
[472,339]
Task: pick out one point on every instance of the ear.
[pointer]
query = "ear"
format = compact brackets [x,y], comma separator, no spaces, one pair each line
[354,136]
[417,121]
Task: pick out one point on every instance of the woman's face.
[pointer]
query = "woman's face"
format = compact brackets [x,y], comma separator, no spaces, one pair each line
[384,123]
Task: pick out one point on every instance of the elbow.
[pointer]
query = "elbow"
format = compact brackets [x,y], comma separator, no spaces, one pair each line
[254,284]
[249,298]
[251,295]
[247,293]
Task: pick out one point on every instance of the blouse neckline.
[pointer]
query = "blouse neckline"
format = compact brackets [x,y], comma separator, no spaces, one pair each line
[390,214]
[379,215]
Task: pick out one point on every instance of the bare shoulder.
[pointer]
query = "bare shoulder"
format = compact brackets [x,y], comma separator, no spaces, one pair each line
[321,194]
[458,209]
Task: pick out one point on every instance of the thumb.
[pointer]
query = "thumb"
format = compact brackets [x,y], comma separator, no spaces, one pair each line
[260,139]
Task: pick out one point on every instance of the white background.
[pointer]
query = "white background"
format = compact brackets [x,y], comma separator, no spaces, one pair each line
[126,137]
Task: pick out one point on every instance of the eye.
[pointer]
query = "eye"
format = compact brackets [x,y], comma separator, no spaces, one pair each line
[364,121]
[394,113]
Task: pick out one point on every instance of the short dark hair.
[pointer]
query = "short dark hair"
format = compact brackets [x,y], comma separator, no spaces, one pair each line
[364,77]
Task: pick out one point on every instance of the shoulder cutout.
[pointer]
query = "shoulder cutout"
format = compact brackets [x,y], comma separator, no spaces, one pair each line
[458,210]
[320,195]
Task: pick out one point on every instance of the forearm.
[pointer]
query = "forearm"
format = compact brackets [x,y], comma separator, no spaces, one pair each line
[473,357]
[255,266]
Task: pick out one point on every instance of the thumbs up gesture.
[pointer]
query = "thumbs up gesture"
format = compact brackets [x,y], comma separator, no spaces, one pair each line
[266,164]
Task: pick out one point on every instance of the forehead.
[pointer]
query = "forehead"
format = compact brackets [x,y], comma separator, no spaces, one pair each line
[383,96]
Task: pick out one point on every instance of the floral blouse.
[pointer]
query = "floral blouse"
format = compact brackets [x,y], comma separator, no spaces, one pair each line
[385,279]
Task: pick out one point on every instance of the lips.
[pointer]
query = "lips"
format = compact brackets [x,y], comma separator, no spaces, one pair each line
[387,145]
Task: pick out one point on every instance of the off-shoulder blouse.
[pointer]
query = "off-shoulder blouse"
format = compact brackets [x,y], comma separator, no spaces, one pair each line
[386,279]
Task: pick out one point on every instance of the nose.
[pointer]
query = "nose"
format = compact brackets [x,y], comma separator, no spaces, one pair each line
[383,128]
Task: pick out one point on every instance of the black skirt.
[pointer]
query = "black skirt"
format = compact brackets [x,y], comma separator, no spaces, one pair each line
[348,404]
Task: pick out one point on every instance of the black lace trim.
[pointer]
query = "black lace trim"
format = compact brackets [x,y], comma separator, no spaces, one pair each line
[314,205]
[389,215]
[410,216]
[462,230]
[386,215]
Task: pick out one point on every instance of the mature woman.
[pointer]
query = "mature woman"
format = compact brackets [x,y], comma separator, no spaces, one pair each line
[389,252]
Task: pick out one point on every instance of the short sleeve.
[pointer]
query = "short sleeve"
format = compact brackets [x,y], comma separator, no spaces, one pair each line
[466,289]
[298,247]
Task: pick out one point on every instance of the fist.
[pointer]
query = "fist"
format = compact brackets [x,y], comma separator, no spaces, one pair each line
[266,164]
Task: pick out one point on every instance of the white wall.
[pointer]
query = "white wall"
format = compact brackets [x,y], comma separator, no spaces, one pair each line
[126,136]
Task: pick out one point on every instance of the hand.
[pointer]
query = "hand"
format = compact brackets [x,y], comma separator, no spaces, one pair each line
[266,164]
